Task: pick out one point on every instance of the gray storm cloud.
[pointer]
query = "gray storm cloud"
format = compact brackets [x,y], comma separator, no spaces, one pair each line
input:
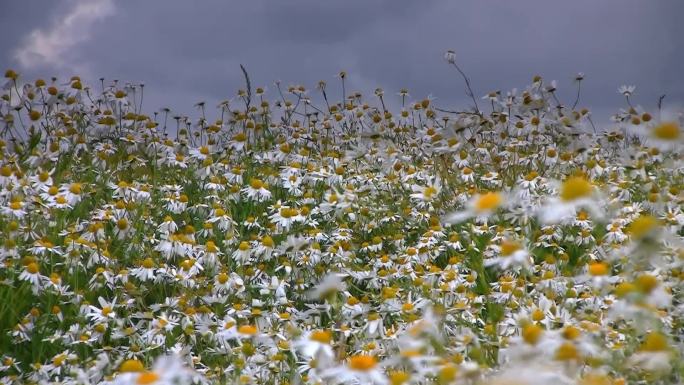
[50,45]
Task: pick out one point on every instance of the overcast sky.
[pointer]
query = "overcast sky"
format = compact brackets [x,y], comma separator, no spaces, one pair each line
[190,51]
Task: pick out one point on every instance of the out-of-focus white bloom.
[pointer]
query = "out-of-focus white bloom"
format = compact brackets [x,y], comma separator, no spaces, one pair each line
[574,193]
[361,369]
[167,370]
[511,254]
[530,374]
[331,284]
[480,206]
[316,343]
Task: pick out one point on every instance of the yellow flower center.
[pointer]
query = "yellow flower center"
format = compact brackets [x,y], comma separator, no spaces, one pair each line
[646,283]
[6,171]
[32,268]
[566,352]
[488,202]
[667,131]
[575,188]
[147,378]
[571,333]
[322,336]
[447,374]
[256,184]
[509,247]
[654,342]
[122,224]
[59,360]
[532,333]
[538,314]
[642,226]
[267,241]
[34,115]
[148,263]
[624,288]
[599,268]
[130,366]
[429,192]
[288,212]
[247,329]
[362,362]
[399,377]
[75,188]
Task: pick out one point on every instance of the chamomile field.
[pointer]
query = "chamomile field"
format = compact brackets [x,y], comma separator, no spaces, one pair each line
[315,236]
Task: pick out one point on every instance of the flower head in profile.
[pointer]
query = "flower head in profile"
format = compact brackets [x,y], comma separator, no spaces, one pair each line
[450,56]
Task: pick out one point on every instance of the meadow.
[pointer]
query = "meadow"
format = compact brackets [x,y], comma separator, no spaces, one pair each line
[292,241]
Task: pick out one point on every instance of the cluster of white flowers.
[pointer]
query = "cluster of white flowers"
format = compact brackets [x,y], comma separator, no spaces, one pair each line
[293,243]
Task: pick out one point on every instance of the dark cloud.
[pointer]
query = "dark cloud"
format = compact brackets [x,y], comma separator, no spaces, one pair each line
[190,51]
